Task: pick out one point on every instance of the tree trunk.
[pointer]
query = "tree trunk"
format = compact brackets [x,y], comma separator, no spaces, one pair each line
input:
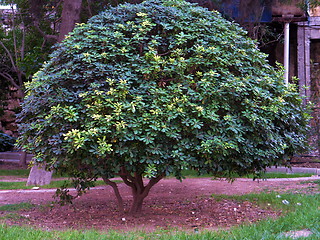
[70,16]
[136,206]
[23,159]
[116,192]
[39,176]
[139,190]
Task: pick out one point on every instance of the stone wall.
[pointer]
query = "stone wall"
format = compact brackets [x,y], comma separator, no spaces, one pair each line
[10,106]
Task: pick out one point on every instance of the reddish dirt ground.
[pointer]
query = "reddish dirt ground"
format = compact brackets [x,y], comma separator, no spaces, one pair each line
[171,204]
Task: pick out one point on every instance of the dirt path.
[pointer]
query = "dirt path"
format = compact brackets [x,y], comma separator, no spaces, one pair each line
[187,204]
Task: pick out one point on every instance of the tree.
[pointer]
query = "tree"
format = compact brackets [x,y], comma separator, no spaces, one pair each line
[53,19]
[147,90]
[69,17]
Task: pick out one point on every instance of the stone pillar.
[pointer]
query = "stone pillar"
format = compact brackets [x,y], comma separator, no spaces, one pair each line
[304,60]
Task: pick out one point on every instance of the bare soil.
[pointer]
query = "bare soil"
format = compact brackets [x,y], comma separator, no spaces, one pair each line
[171,204]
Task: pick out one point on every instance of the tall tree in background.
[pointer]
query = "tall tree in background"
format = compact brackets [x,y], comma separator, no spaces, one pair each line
[60,16]
[69,17]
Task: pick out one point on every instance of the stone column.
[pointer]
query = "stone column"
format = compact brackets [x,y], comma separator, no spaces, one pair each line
[304,60]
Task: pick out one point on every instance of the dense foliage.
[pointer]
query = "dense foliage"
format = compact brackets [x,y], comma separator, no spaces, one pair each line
[154,88]
[6,142]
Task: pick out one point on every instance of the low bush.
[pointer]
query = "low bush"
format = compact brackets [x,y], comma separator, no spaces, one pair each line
[6,142]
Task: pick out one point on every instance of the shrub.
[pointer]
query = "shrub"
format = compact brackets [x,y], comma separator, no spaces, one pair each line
[150,89]
[6,142]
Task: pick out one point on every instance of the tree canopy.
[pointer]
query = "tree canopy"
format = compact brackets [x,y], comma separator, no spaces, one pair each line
[148,90]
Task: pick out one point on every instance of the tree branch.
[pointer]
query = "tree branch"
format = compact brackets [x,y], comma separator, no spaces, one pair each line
[15,68]
[163,54]
[22,48]
[47,37]
[10,79]
[116,192]
[89,7]
[126,181]
[152,182]
[9,55]
[126,173]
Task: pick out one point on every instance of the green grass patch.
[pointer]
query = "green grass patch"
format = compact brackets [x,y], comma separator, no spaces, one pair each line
[15,172]
[269,175]
[273,200]
[301,212]
[16,207]
[285,175]
[53,184]
[14,185]
[13,216]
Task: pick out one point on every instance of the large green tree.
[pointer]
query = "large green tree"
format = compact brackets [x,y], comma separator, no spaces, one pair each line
[147,90]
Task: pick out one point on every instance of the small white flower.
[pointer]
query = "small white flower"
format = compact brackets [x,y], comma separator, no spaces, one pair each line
[285,202]
[123,219]
[278,196]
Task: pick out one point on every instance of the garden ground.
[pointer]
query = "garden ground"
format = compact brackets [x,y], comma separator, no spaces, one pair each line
[171,204]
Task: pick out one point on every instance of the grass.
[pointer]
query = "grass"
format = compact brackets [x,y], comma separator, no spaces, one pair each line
[285,175]
[15,172]
[16,207]
[302,212]
[14,217]
[53,184]
[268,200]
[9,212]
